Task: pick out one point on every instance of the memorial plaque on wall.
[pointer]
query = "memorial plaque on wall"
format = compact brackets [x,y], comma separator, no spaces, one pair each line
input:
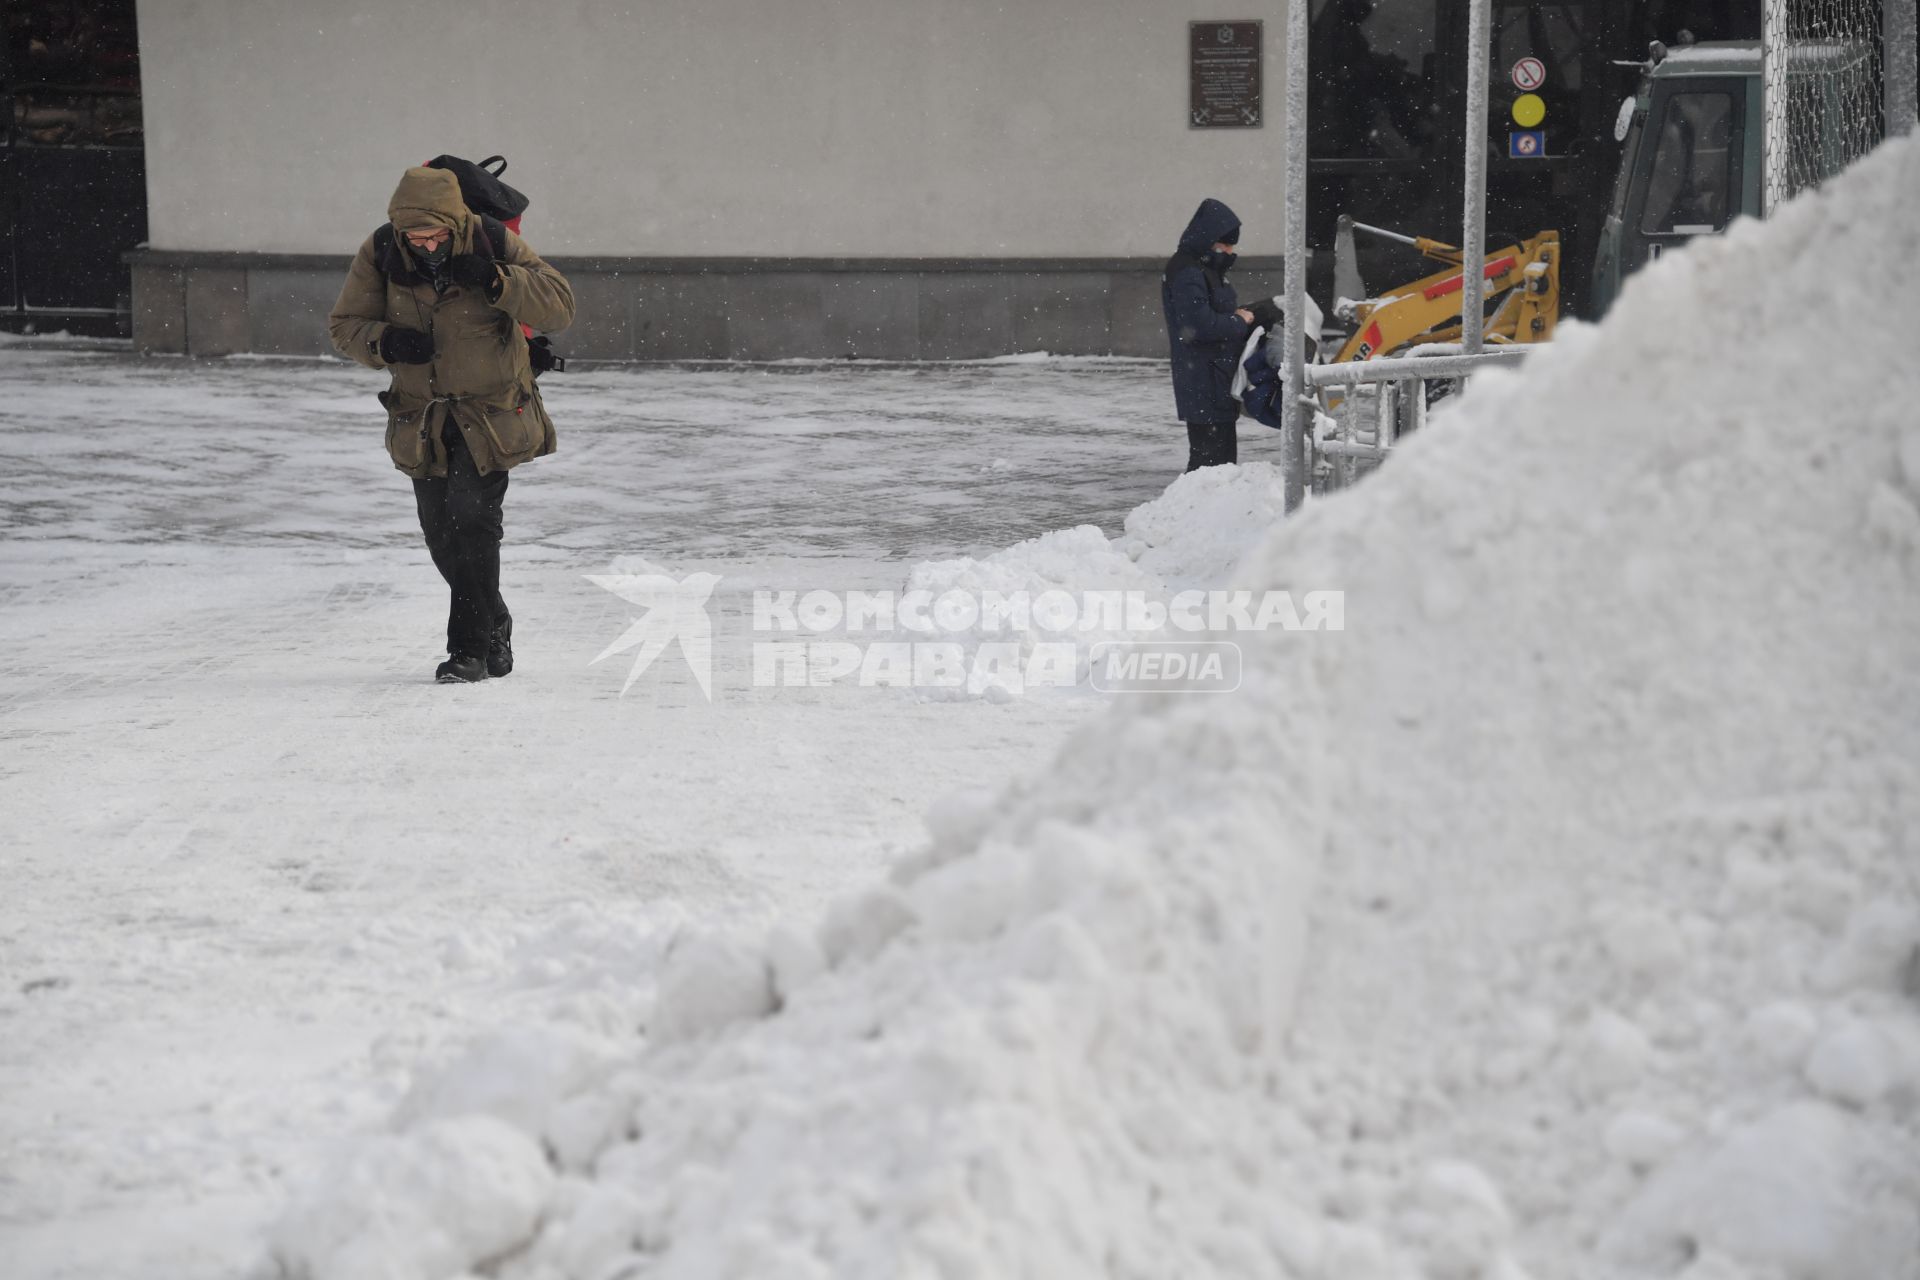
[1224,72]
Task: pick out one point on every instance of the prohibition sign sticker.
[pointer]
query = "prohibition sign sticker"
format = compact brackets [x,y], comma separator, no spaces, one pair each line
[1529,74]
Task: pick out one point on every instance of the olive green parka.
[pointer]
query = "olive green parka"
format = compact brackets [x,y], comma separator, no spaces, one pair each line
[480,372]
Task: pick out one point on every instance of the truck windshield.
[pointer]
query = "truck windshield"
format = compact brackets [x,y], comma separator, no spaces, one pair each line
[1692,166]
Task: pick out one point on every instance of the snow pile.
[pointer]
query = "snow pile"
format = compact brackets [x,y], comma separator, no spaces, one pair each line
[1190,536]
[1618,895]
[429,1203]
[1600,817]
[1199,529]
[1187,539]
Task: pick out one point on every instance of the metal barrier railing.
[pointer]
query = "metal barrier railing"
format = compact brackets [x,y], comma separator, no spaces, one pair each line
[1385,400]
[1415,367]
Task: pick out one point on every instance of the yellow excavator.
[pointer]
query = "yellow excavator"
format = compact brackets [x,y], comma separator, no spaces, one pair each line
[1523,286]
[1419,318]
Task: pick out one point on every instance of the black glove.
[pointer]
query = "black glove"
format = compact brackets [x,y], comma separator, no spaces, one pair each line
[542,358]
[405,346]
[1267,313]
[471,271]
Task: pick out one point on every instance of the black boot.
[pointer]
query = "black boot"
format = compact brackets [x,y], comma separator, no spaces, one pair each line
[461,669]
[500,647]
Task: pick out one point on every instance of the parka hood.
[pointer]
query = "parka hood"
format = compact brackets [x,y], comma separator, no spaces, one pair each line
[1212,223]
[428,198]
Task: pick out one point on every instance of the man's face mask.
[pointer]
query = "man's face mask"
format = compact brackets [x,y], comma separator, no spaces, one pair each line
[434,257]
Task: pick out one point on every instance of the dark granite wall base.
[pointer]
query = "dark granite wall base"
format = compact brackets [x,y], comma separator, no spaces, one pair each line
[748,309]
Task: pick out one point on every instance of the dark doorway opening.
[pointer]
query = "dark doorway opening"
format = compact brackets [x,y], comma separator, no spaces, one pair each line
[73,182]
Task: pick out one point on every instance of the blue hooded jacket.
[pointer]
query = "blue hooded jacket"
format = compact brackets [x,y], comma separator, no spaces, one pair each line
[1203,334]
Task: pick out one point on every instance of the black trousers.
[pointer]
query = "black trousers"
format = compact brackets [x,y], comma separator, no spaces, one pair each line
[461,517]
[1212,444]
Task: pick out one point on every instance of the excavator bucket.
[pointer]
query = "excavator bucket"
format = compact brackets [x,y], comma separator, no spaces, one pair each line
[1346,265]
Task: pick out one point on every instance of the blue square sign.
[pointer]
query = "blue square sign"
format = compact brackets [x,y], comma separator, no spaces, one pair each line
[1527,144]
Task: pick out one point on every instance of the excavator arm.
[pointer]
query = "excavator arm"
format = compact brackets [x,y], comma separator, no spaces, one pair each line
[1523,279]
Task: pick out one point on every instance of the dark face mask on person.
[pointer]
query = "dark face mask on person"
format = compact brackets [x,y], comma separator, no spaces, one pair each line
[1219,261]
[435,258]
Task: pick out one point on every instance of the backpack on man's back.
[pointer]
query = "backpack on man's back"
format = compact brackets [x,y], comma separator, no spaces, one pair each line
[498,207]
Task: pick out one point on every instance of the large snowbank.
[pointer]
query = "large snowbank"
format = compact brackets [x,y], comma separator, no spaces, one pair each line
[1557,918]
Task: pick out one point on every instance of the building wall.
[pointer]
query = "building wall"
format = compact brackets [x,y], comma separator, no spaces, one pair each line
[208,304]
[1040,135]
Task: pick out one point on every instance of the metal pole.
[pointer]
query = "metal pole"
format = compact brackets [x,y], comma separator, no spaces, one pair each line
[1293,445]
[1295,438]
[1773,107]
[1901,74]
[1473,234]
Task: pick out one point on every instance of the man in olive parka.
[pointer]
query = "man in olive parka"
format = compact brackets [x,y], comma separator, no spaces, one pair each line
[437,298]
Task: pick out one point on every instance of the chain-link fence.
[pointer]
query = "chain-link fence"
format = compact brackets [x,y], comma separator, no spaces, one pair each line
[1823,93]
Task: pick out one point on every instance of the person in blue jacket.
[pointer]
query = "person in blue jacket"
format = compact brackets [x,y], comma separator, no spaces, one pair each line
[1206,329]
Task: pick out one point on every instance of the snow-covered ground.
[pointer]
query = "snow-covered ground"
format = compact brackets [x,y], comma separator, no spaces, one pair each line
[1560,917]
[255,864]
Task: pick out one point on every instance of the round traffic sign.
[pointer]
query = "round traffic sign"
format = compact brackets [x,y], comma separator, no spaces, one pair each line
[1529,74]
[1526,144]
[1529,109]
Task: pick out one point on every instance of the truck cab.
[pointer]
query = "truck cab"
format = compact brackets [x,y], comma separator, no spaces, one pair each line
[1691,159]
